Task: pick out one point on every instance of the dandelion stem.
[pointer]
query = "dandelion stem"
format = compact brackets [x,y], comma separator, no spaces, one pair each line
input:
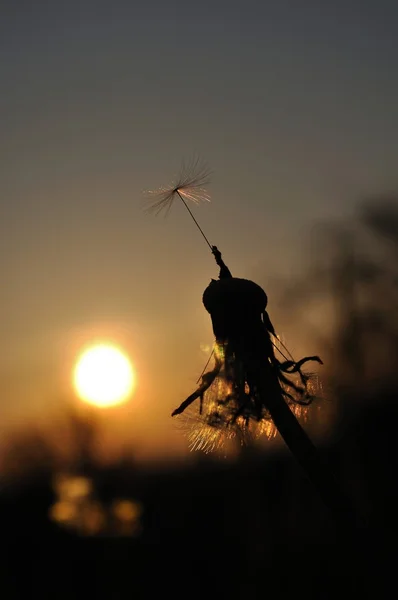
[195,221]
[306,453]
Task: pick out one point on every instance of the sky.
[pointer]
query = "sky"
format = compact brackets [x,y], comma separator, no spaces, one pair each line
[293,105]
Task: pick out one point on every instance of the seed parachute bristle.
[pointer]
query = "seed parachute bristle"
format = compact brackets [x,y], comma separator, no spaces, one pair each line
[229,410]
[189,185]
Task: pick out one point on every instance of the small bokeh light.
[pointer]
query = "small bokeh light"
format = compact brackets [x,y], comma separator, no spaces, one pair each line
[127,517]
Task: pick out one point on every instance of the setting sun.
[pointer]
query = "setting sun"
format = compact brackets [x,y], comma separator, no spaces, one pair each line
[104,376]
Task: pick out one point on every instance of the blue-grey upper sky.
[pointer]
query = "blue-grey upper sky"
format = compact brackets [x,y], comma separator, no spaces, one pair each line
[292,104]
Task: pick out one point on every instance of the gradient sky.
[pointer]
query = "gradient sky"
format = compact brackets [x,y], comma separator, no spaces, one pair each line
[292,104]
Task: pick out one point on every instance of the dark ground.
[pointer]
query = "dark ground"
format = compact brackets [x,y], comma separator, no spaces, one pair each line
[250,529]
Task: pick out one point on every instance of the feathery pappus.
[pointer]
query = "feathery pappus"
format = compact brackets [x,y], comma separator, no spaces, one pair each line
[215,420]
[190,185]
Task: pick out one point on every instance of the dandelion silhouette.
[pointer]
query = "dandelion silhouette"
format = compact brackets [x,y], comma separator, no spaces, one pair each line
[236,396]
[249,391]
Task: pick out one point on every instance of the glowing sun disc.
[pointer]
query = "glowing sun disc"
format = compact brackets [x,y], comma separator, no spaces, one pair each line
[103,376]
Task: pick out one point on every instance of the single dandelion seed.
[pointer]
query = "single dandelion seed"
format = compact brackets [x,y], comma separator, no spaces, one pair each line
[189,186]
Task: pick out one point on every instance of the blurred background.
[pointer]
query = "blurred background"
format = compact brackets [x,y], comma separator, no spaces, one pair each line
[294,108]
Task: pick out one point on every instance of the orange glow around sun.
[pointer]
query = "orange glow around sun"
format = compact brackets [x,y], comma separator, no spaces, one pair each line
[103,376]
